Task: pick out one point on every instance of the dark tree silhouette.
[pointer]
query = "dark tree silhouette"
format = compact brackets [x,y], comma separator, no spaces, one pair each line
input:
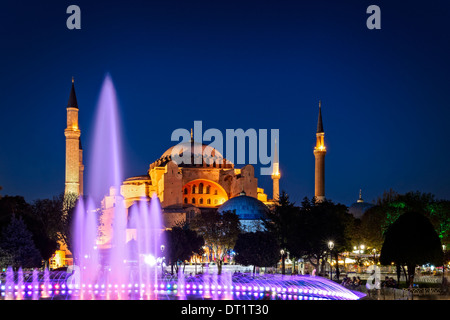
[220,232]
[259,249]
[180,245]
[410,241]
[17,248]
[280,222]
[317,224]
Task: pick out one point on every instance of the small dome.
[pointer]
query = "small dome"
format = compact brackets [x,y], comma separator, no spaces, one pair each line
[247,208]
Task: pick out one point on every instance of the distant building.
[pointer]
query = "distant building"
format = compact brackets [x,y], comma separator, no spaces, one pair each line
[358,208]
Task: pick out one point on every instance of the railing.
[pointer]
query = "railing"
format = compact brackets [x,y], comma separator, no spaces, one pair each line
[424,291]
[387,294]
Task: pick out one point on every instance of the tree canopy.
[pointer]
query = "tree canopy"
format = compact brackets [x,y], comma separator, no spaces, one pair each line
[17,248]
[181,244]
[411,240]
[219,230]
[257,248]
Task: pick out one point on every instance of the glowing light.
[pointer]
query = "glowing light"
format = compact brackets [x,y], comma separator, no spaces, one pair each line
[149,260]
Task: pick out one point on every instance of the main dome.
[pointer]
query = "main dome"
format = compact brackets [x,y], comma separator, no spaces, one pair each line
[247,208]
[202,155]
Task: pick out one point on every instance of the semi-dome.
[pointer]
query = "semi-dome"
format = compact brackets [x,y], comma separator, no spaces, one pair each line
[247,208]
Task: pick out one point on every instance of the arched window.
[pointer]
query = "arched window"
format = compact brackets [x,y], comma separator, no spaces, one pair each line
[215,201]
[193,200]
[194,189]
[185,200]
[208,189]
[215,192]
[200,188]
[208,201]
[185,191]
[201,201]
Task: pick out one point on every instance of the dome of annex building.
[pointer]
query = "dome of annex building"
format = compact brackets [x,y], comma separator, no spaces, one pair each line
[247,208]
[200,155]
[358,208]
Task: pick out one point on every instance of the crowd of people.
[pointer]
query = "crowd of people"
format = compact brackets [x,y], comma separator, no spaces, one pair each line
[351,283]
[389,283]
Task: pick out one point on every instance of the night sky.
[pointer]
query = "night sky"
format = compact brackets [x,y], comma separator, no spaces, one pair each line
[234,64]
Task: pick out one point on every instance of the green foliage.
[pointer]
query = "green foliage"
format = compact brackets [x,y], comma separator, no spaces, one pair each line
[392,205]
[17,248]
[257,248]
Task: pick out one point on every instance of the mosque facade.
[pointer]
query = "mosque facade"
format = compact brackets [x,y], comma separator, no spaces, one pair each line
[184,189]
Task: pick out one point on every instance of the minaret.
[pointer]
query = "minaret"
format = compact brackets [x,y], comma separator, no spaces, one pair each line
[81,167]
[74,166]
[319,153]
[276,174]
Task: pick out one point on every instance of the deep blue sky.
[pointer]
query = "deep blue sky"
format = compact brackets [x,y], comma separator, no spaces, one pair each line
[234,64]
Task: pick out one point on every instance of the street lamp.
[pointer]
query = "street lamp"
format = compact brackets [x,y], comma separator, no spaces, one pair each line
[444,248]
[282,261]
[331,246]
[374,256]
[162,259]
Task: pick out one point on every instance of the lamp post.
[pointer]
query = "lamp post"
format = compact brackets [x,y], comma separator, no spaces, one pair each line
[444,248]
[374,255]
[282,261]
[162,257]
[331,246]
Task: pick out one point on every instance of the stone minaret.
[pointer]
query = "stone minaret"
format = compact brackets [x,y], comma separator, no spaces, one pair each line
[276,174]
[74,153]
[81,166]
[319,153]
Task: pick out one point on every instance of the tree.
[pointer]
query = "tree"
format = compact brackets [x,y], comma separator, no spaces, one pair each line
[410,241]
[43,221]
[317,224]
[370,231]
[376,220]
[220,232]
[67,204]
[180,245]
[280,222]
[12,206]
[17,246]
[259,249]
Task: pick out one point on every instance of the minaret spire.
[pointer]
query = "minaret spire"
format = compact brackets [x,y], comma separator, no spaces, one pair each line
[360,196]
[319,121]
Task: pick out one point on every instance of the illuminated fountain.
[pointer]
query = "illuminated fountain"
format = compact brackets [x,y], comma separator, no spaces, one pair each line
[127,268]
[126,262]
